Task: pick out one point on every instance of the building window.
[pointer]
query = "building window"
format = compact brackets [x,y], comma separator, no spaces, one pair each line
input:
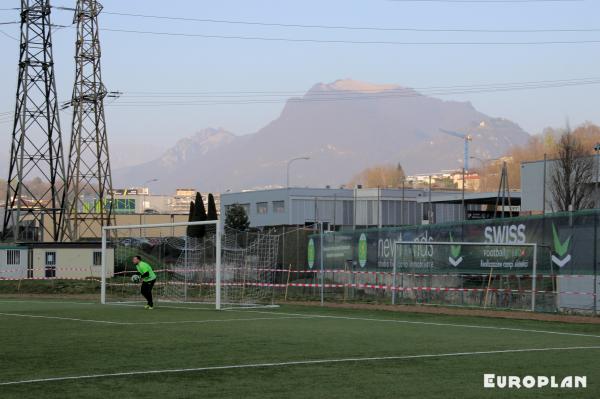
[279,206]
[13,257]
[124,206]
[262,208]
[51,258]
[97,258]
[50,264]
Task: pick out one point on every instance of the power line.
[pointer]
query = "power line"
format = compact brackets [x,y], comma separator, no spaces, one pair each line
[333,41]
[340,27]
[8,35]
[262,97]
[347,27]
[573,81]
[356,96]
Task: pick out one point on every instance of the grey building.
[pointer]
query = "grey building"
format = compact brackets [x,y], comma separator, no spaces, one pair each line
[339,208]
[455,207]
[533,185]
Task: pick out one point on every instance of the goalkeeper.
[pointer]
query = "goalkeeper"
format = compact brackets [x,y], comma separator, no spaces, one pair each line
[148,279]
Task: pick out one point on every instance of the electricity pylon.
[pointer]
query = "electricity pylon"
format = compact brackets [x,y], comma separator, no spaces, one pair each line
[89,186]
[35,195]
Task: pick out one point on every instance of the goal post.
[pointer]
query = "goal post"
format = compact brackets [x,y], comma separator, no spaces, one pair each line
[472,272]
[195,262]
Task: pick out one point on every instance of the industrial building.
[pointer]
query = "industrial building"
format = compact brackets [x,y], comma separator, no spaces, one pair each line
[343,208]
[339,208]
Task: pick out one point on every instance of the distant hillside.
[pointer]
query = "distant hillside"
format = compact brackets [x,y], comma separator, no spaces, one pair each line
[344,127]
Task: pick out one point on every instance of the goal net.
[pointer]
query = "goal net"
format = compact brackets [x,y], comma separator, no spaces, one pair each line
[466,273]
[196,262]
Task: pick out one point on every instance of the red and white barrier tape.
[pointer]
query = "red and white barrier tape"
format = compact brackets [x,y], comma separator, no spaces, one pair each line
[363,286]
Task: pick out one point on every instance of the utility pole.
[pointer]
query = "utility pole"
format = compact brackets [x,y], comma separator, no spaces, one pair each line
[597,149]
[544,185]
[89,188]
[429,210]
[503,192]
[35,191]
[464,208]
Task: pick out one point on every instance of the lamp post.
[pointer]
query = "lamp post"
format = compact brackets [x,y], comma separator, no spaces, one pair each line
[289,162]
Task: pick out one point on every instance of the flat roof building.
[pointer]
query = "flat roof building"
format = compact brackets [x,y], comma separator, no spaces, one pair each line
[339,208]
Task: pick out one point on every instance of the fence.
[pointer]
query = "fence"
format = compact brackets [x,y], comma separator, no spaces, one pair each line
[359,265]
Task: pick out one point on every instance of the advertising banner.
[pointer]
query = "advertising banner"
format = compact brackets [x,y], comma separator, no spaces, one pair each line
[567,244]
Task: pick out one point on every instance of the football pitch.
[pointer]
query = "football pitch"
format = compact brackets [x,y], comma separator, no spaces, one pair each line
[60,349]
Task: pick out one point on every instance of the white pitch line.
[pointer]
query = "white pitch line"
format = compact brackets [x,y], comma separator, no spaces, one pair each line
[222,320]
[292,363]
[145,323]
[164,306]
[51,302]
[349,318]
[427,323]
[60,318]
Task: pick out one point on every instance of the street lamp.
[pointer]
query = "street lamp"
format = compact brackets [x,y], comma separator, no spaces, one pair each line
[289,162]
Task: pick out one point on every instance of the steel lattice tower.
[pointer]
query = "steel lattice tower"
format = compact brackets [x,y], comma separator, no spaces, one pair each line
[35,192]
[89,175]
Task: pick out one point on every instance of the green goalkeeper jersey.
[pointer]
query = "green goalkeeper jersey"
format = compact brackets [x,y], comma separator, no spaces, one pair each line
[142,268]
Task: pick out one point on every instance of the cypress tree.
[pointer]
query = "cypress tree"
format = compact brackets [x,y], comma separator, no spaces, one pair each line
[190,218]
[212,208]
[199,215]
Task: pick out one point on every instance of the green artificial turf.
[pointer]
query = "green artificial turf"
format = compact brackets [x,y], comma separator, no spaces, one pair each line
[75,339]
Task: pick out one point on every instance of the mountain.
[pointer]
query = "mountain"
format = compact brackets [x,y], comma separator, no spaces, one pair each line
[344,127]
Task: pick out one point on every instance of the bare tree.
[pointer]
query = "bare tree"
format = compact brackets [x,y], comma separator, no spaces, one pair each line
[572,175]
[382,176]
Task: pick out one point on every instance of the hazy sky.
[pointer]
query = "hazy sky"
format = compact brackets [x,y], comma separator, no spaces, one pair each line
[134,63]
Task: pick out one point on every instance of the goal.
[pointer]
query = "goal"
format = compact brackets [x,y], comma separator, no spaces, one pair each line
[195,262]
[466,273]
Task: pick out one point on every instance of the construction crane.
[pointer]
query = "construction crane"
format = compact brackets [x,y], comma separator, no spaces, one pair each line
[467,138]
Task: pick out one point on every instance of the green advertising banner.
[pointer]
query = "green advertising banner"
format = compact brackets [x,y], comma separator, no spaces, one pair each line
[567,244]
[463,257]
